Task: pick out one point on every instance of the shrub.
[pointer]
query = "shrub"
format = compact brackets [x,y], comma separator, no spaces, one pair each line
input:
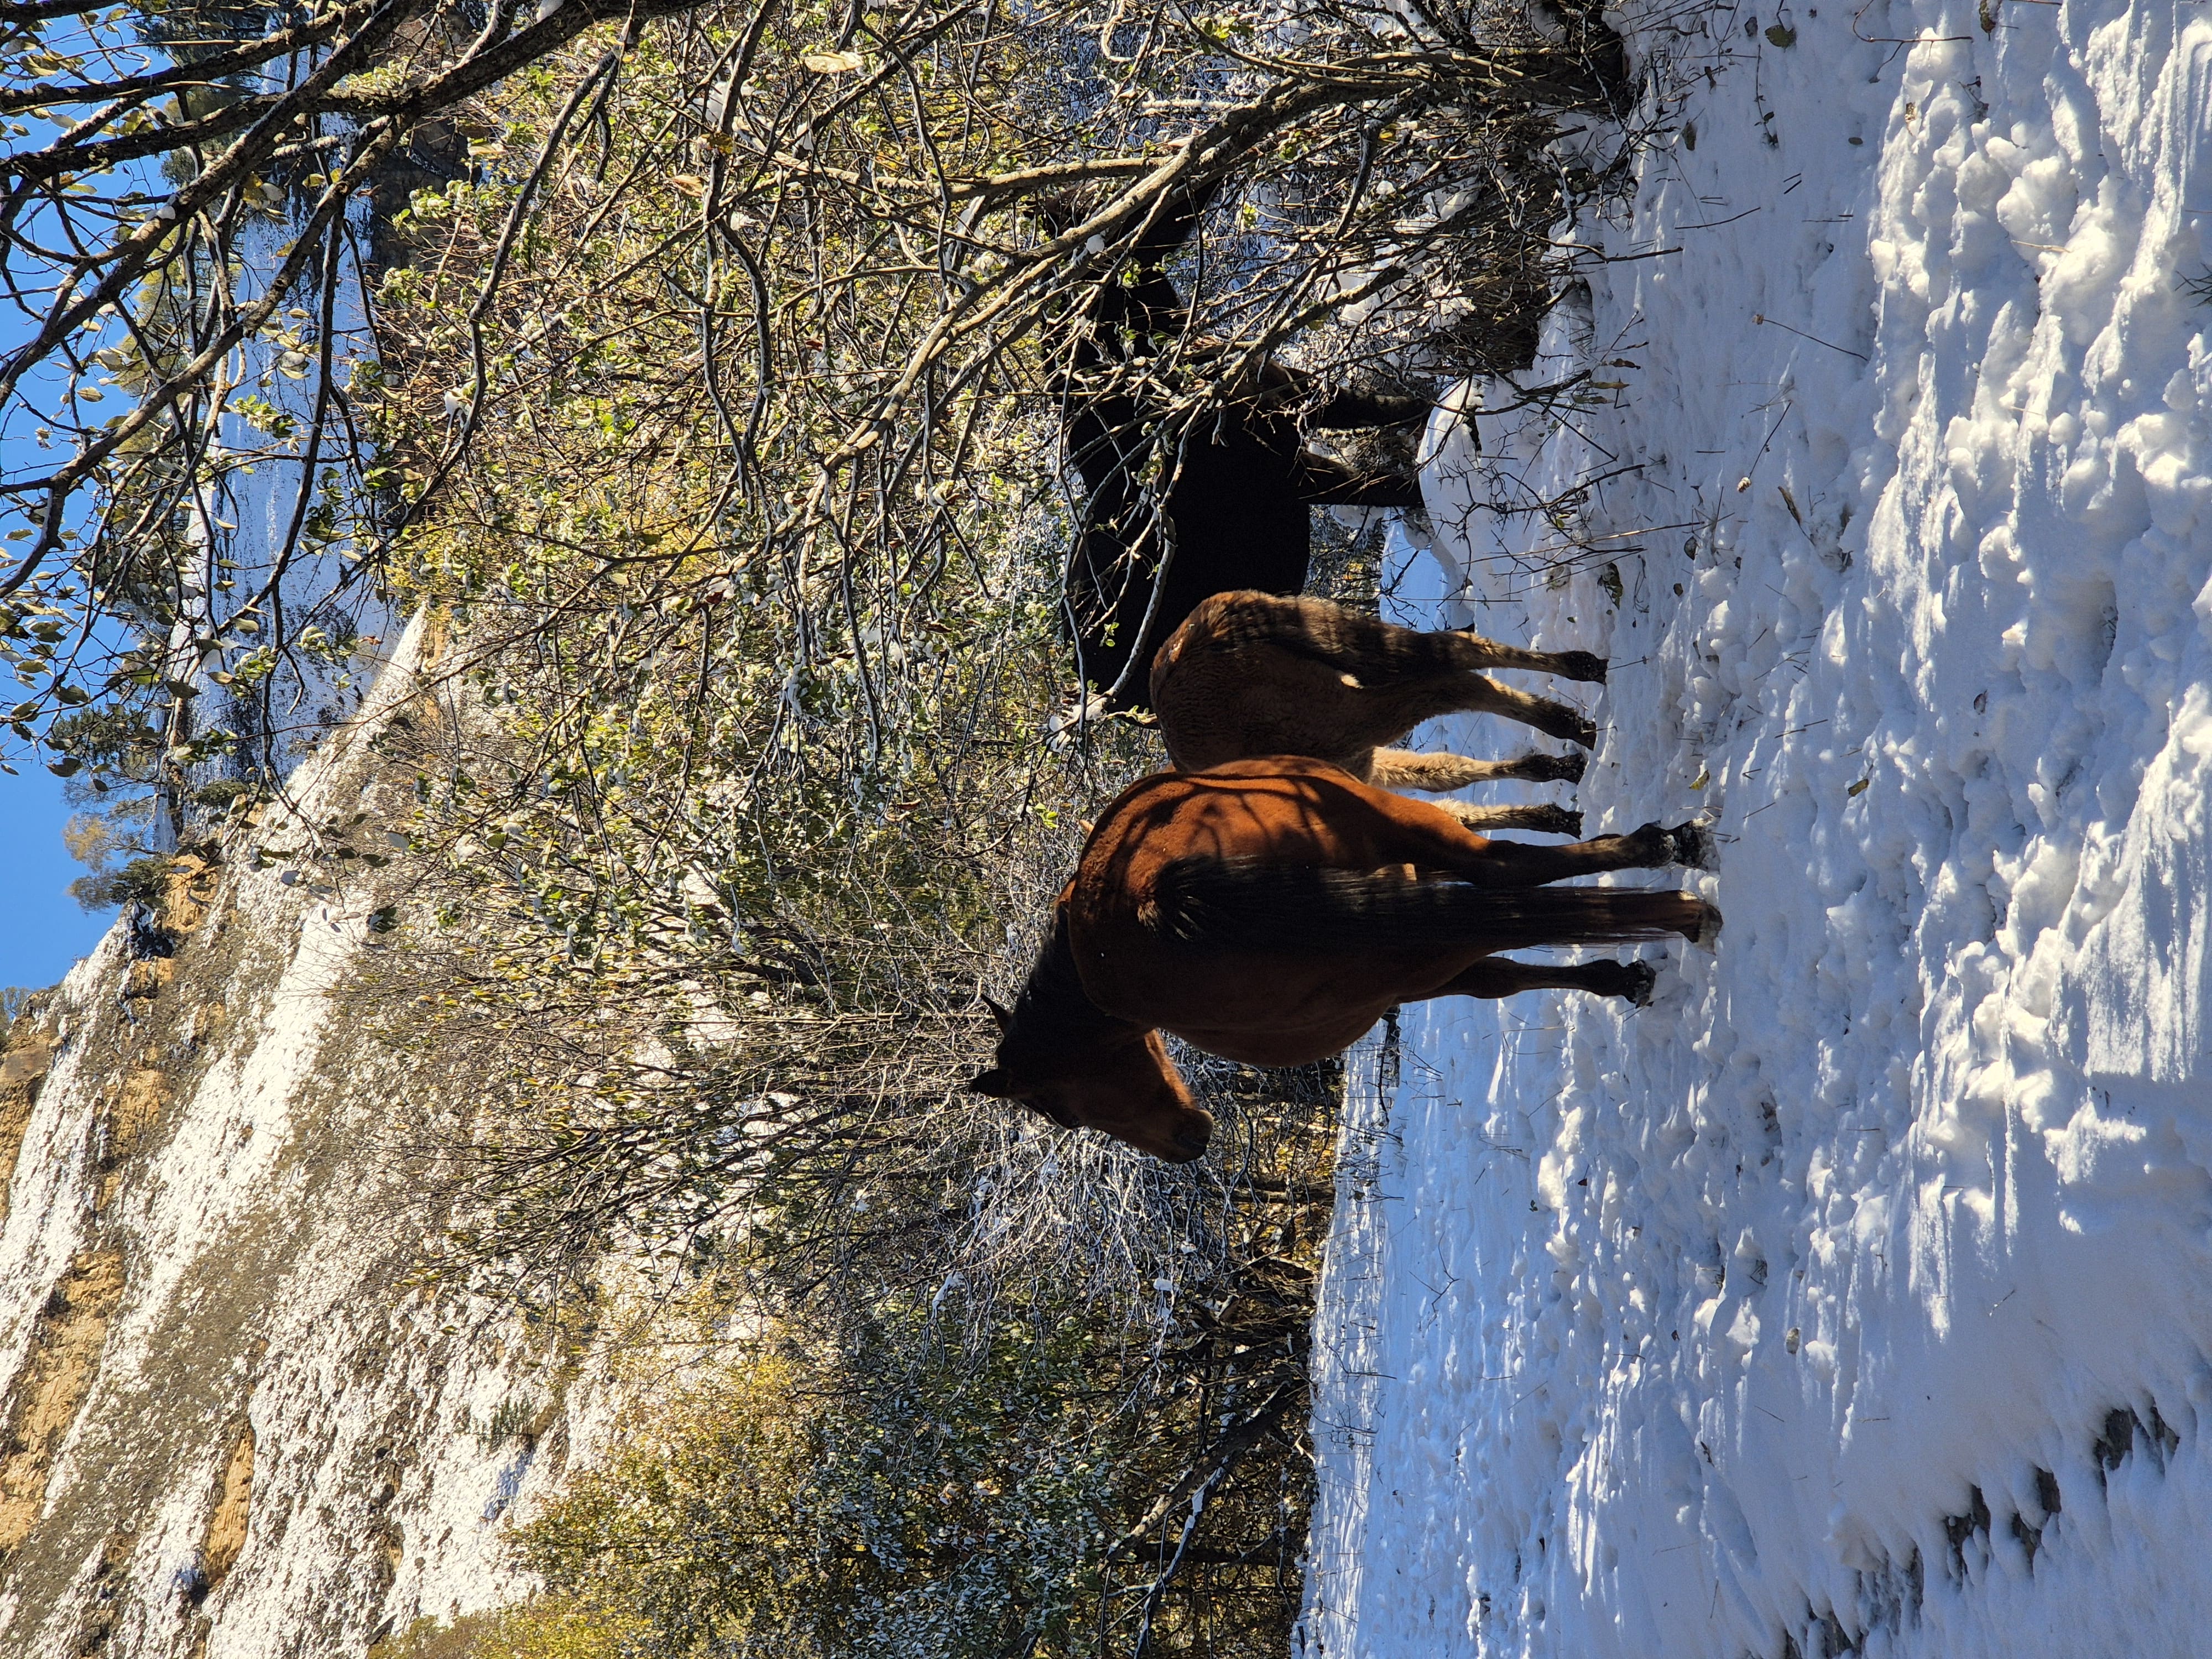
[142,881]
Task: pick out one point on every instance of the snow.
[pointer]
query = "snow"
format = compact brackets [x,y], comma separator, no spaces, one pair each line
[1857,1293]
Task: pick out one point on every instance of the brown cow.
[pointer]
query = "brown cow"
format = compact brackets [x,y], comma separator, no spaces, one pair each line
[1271,910]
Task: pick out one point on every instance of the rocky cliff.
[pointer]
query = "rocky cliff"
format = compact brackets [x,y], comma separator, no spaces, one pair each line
[233,1426]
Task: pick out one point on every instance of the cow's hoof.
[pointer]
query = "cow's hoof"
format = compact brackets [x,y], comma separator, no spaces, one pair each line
[1637,979]
[1708,927]
[1582,666]
[1693,844]
[1553,768]
[1555,821]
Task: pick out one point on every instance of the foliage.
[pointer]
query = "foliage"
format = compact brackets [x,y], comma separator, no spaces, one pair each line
[144,880]
[499,1635]
[844,291]
[184,255]
[761,1513]
[1042,1486]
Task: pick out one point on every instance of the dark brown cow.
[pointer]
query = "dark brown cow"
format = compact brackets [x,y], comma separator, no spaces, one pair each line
[1185,498]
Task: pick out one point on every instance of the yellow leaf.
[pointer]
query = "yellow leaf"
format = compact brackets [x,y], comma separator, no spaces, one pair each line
[832,63]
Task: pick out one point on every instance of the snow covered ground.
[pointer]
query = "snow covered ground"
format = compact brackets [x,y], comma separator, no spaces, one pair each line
[1856,1295]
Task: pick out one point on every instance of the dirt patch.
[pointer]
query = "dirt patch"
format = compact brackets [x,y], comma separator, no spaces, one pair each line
[139,1103]
[100,1618]
[191,890]
[22,1072]
[65,1357]
[148,978]
[225,1536]
[204,1024]
[193,880]
[138,1106]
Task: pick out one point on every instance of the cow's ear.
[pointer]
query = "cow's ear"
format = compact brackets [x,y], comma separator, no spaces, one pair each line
[1006,1020]
[994,1083]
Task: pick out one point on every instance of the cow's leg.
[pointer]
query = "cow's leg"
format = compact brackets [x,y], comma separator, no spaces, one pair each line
[1411,702]
[1323,481]
[1541,816]
[1485,863]
[1295,392]
[1348,409]
[1478,653]
[1407,768]
[1501,976]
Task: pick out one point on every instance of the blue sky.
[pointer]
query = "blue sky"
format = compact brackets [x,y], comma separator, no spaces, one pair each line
[42,931]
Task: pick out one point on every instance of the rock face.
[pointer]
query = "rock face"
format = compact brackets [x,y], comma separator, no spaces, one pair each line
[229,1426]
